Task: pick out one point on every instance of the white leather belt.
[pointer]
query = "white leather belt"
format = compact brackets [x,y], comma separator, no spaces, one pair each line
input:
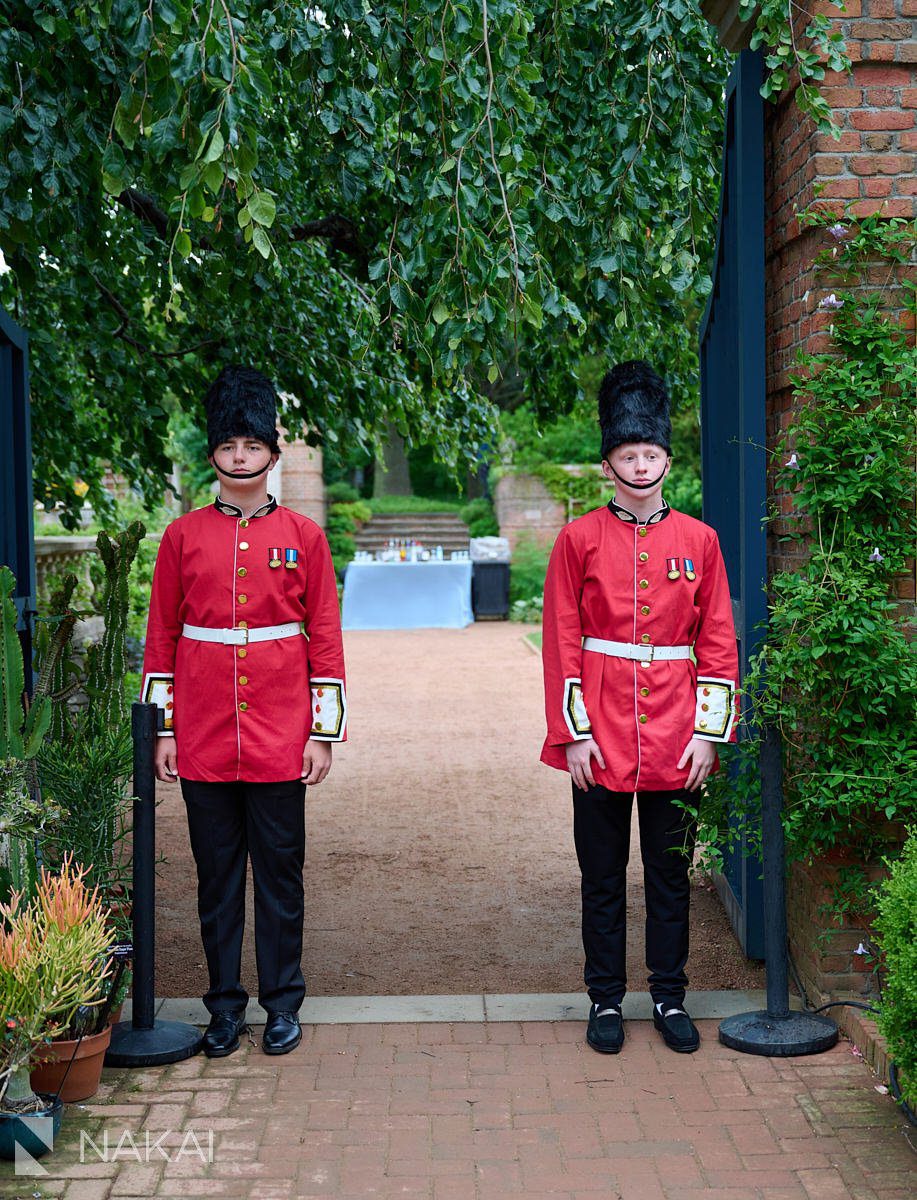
[241,637]
[628,650]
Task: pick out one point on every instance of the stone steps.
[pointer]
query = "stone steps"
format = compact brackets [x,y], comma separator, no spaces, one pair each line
[430,529]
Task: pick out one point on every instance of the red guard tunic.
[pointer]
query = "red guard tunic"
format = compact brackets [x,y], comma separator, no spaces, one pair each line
[245,711]
[609,578]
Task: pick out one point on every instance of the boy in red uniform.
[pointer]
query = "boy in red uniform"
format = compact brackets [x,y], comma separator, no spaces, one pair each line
[632,591]
[249,707]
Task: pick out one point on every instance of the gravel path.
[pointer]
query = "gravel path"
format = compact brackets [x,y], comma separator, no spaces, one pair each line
[439,850]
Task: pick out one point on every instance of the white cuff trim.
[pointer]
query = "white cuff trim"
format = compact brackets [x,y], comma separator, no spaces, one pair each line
[715,709]
[158,689]
[329,710]
[575,714]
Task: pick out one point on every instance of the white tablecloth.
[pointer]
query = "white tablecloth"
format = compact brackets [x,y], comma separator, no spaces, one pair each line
[426,595]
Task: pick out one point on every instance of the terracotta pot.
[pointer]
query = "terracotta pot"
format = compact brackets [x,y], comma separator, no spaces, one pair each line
[85,1073]
[34,1132]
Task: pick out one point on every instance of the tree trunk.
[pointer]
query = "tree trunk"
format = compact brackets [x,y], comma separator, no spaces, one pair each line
[392,477]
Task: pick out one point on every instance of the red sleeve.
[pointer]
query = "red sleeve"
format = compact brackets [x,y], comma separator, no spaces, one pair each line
[562,644]
[326,645]
[716,652]
[163,631]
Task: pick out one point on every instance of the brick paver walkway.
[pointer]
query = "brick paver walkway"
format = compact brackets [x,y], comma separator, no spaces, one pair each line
[484,1112]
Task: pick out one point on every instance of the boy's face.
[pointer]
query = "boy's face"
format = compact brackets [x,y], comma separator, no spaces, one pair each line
[241,456]
[637,469]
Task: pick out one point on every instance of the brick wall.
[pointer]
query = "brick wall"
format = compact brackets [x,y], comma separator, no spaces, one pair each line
[874,165]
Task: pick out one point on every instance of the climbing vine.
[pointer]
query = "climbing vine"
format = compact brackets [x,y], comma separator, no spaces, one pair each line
[820,49]
[837,673]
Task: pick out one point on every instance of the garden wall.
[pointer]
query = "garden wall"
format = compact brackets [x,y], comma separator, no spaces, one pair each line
[872,166]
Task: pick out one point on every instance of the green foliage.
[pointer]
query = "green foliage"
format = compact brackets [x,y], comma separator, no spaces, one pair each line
[896,925]
[822,49]
[389,207]
[480,518]
[343,521]
[527,570]
[341,493]
[412,504]
[87,778]
[837,673]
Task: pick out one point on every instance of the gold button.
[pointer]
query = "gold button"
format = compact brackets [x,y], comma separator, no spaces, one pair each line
[644,583]
[243,679]
[644,691]
[242,625]
[243,524]
[643,718]
[706,691]
[642,531]
[318,726]
[703,724]
[243,705]
[644,664]
[243,545]
[643,556]
[241,652]
[243,571]
[243,599]
[644,637]
[645,609]
[705,708]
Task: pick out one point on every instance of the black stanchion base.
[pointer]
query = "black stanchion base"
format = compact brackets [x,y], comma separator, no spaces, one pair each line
[779,1037]
[166,1042]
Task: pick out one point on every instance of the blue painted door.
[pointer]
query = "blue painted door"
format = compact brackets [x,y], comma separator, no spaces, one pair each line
[733,419]
[16,546]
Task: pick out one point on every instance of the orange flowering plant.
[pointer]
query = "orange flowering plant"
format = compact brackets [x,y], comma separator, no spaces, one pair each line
[53,961]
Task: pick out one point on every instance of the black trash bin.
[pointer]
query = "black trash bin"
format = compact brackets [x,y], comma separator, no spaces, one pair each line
[490,589]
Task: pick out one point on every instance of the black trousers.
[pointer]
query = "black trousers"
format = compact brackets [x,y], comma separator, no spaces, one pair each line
[228,823]
[601,832]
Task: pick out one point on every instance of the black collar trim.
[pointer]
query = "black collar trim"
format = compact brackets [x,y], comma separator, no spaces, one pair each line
[233,510]
[624,514]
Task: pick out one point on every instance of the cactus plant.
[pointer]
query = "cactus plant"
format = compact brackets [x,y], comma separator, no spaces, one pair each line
[108,659]
[58,676]
[21,730]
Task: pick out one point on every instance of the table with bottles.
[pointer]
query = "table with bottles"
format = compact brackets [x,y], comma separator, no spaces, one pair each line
[408,586]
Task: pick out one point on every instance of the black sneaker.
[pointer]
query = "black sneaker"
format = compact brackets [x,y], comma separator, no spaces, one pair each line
[678,1030]
[605,1031]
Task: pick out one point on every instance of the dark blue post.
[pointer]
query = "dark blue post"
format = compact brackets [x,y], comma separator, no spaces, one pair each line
[144,1041]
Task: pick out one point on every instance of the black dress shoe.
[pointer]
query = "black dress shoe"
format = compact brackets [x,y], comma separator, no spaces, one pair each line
[281,1033]
[222,1036]
[678,1030]
[605,1031]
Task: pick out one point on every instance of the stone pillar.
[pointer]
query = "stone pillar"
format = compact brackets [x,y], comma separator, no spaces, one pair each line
[524,505]
[297,480]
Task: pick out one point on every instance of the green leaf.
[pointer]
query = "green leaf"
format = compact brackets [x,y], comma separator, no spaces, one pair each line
[263,208]
[183,244]
[440,313]
[215,147]
[262,242]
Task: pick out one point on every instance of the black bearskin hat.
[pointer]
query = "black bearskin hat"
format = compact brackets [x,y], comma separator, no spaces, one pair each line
[634,407]
[241,402]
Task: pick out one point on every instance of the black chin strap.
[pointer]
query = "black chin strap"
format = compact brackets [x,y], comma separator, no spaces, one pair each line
[639,486]
[243,475]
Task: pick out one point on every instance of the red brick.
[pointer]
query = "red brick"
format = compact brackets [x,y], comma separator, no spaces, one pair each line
[882,120]
[878,187]
[884,31]
[881,8]
[887,76]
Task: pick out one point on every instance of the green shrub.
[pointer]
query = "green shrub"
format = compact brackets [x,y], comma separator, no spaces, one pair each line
[341,493]
[412,504]
[342,522]
[896,926]
[527,569]
[480,518]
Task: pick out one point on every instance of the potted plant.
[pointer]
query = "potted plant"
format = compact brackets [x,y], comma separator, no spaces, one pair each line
[54,962]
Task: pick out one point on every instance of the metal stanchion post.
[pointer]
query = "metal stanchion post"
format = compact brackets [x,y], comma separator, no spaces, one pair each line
[143,1041]
[776,1032]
